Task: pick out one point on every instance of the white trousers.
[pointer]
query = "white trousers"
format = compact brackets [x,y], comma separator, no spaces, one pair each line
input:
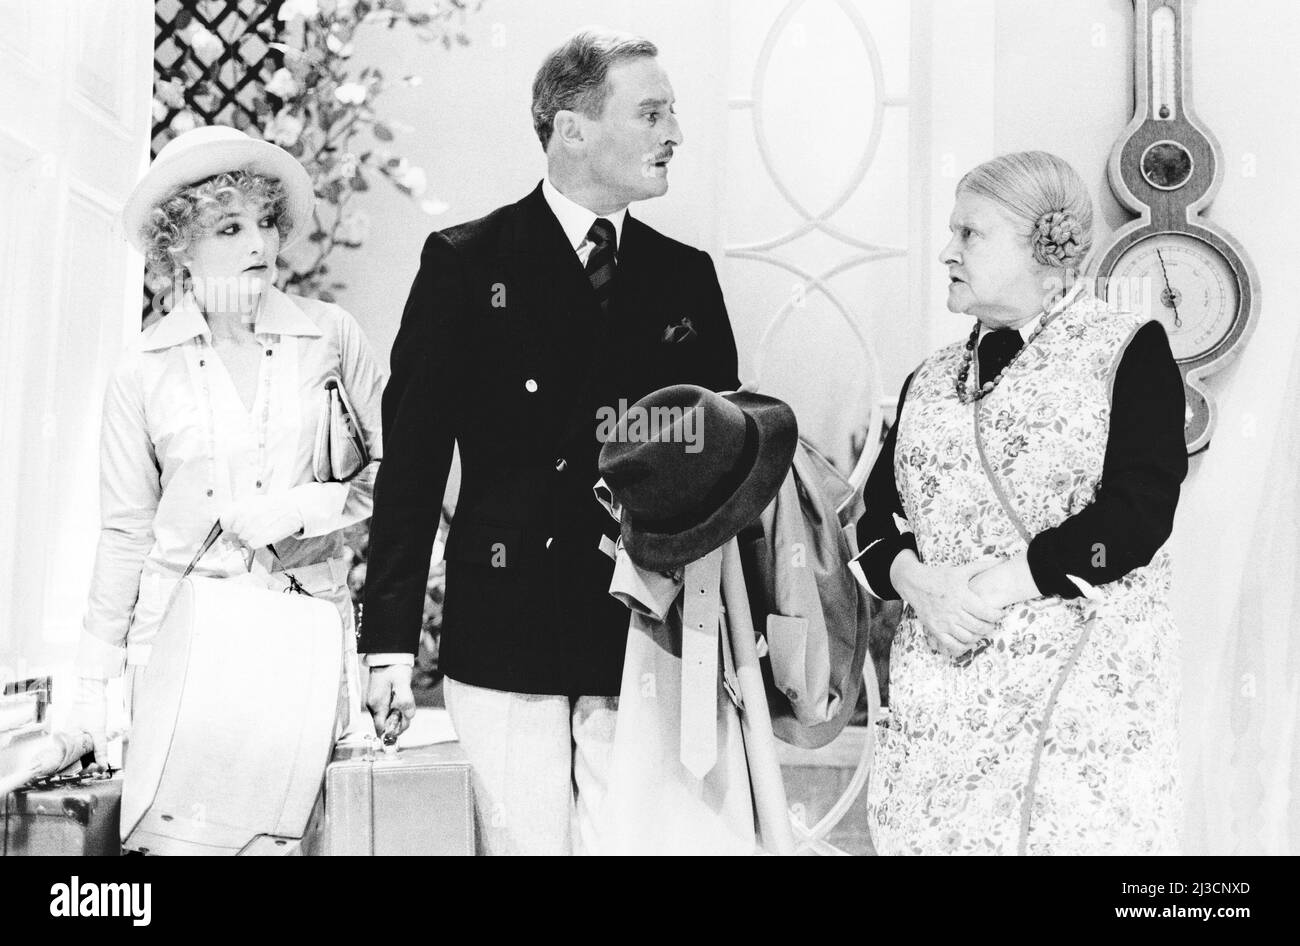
[540,766]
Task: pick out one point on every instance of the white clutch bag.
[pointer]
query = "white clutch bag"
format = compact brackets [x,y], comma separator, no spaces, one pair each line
[340,452]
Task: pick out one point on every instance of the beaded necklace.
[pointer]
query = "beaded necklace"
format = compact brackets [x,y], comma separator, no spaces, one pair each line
[965,393]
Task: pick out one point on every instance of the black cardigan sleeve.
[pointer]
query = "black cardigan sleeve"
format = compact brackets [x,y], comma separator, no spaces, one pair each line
[1146,461]
[878,534]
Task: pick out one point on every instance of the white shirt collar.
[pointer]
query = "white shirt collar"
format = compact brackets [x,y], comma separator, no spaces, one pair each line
[1031,326]
[576,219]
[280,315]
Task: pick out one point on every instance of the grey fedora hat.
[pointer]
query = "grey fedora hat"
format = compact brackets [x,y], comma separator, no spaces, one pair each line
[691,468]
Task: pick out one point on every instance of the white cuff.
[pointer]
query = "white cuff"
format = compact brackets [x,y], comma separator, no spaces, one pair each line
[98,659]
[642,590]
[1090,592]
[389,660]
[319,505]
[855,568]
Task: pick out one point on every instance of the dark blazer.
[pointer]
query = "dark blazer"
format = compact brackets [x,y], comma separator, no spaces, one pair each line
[503,350]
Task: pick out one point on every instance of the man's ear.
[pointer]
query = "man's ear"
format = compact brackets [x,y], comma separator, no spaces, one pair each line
[568,128]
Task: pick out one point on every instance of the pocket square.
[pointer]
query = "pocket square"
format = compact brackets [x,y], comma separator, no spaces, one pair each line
[682,331]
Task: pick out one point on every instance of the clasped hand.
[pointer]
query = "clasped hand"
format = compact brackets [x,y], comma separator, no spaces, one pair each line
[956,604]
[261,520]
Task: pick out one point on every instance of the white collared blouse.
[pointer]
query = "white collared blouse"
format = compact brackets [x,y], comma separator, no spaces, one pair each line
[178,444]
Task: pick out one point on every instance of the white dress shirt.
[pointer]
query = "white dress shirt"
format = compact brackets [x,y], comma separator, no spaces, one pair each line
[178,444]
[576,220]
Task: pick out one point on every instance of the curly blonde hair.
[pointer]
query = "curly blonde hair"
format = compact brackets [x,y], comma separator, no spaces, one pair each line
[189,212]
[1047,196]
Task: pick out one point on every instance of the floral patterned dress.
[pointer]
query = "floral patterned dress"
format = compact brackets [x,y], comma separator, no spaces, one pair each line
[1060,737]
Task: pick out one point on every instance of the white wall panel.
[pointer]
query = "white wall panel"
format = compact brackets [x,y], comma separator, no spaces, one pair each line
[74,130]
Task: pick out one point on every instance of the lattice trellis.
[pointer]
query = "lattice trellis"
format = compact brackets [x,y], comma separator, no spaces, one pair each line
[217,78]
[210,59]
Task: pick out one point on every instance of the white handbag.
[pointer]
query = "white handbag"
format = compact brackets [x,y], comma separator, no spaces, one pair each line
[340,452]
[234,725]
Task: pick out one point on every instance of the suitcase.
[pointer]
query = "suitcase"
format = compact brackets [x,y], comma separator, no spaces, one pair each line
[410,802]
[63,816]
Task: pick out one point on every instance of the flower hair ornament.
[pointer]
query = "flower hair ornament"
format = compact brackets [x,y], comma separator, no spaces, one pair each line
[1057,239]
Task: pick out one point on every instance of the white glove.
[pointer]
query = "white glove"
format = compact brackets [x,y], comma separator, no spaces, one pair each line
[90,714]
[262,520]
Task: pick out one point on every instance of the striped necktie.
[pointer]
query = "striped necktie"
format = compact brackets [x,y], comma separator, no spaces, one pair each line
[600,264]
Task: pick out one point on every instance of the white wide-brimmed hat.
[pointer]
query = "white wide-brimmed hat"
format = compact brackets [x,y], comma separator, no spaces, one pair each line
[204,152]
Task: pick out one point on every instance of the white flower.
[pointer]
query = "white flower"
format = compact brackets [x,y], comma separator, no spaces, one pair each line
[283,84]
[184,121]
[206,44]
[159,111]
[351,93]
[284,129]
[432,206]
[291,55]
[338,47]
[354,227]
[412,178]
[347,167]
[171,93]
[293,9]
